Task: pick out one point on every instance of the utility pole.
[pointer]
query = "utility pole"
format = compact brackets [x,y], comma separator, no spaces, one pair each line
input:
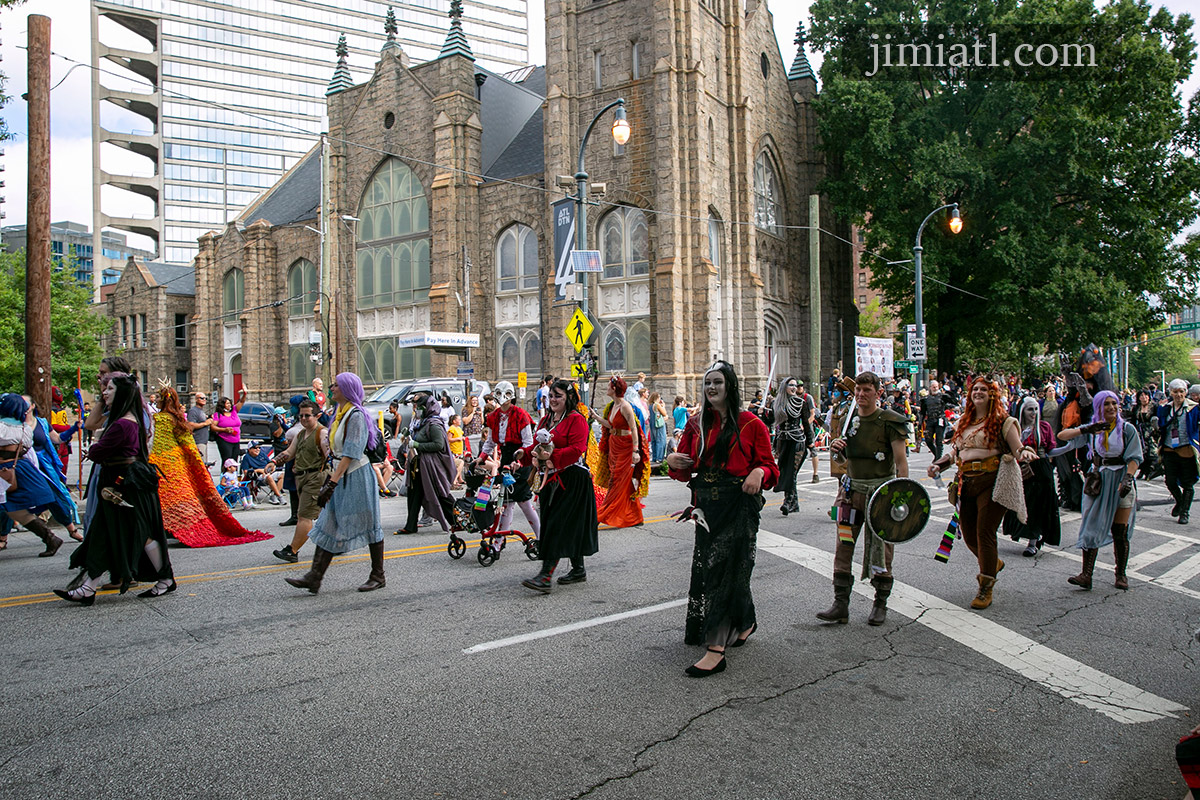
[814,293]
[37,253]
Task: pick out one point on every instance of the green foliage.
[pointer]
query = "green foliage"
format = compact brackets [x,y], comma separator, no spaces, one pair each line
[1072,191]
[4,98]
[1173,354]
[75,328]
[874,320]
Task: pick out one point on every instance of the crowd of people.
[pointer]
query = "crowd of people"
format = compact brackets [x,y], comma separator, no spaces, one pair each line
[1074,443]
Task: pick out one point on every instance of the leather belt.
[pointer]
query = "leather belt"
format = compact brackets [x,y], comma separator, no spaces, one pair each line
[979,467]
[622,433]
[1112,461]
[306,471]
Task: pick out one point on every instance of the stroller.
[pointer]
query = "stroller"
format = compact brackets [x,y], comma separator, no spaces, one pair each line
[479,511]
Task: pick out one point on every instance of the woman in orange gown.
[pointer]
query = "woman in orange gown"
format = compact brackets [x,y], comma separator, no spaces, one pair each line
[192,511]
[624,460]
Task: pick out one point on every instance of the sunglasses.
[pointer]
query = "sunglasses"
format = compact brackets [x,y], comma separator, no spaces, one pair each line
[308,416]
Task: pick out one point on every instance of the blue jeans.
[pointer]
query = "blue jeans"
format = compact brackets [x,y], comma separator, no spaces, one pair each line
[658,443]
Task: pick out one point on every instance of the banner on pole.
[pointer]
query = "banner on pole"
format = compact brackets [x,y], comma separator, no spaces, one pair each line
[563,224]
[873,355]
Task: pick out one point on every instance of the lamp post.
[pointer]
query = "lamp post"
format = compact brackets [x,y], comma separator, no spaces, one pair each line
[955,227]
[620,134]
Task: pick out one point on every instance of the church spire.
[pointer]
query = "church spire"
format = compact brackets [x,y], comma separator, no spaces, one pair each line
[800,67]
[390,28]
[341,75]
[456,40]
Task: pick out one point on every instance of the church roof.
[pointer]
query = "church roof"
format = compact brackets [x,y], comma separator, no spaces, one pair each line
[800,66]
[456,40]
[295,198]
[177,278]
[511,114]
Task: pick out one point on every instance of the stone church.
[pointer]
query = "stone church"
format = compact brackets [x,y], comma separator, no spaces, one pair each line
[434,191]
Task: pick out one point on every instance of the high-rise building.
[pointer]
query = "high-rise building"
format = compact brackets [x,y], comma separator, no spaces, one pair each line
[221,96]
[72,243]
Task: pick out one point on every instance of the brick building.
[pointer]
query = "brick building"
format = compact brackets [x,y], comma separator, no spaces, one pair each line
[443,167]
[151,307]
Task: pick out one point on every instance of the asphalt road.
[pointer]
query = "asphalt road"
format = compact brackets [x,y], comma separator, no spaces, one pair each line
[454,681]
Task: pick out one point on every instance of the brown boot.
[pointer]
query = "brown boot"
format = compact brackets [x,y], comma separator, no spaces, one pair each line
[839,612]
[375,580]
[40,529]
[311,580]
[1084,579]
[883,590]
[984,598]
[1120,554]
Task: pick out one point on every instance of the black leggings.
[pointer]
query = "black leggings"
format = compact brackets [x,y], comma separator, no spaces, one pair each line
[229,450]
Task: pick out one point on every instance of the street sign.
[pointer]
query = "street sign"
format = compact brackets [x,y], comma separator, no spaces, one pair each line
[913,369]
[579,330]
[466,369]
[586,261]
[916,348]
[522,380]
[1186,326]
[577,370]
[904,364]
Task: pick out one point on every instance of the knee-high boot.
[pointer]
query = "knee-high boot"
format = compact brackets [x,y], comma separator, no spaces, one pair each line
[1185,504]
[1084,578]
[40,529]
[883,590]
[376,579]
[839,612]
[1120,554]
[311,580]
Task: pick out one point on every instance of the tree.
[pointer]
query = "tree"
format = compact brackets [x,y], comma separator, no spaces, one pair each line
[1073,189]
[75,327]
[1172,354]
[874,320]
[4,134]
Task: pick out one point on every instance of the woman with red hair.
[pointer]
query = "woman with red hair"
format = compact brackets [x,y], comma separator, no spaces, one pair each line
[624,460]
[983,434]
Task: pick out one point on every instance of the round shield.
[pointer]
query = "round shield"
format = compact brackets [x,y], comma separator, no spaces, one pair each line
[898,510]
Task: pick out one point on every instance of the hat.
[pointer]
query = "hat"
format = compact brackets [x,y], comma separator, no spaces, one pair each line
[799,381]
[280,410]
[229,462]
[848,384]
[254,445]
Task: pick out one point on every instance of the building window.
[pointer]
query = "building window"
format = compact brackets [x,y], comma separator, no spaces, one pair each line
[635,58]
[626,346]
[181,381]
[768,212]
[862,279]
[393,239]
[181,338]
[380,361]
[596,82]
[714,243]
[124,332]
[517,259]
[862,301]
[517,283]
[625,243]
[142,329]
[712,140]
[233,292]
[302,289]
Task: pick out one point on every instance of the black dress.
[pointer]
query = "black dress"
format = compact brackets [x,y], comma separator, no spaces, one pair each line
[116,539]
[568,498]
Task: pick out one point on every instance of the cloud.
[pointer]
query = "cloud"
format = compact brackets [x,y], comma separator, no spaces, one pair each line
[70,181]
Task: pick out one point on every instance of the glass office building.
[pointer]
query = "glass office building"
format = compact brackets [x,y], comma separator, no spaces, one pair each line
[218,97]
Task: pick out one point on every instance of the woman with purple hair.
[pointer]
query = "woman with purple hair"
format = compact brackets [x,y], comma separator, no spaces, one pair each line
[1109,493]
[350,516]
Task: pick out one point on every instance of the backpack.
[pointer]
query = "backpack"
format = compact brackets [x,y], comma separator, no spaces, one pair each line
[378,453]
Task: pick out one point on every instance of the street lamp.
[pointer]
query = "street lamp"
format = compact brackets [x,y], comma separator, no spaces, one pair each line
[620,134]
[955,227]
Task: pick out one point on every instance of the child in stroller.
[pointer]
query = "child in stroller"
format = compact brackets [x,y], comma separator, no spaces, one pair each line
[481,510]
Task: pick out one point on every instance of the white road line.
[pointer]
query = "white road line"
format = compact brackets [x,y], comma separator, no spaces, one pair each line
[1180,573]
[1164,550]
[1072,679]
[574,626]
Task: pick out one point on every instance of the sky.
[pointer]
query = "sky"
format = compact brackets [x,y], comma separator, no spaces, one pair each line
[70,107]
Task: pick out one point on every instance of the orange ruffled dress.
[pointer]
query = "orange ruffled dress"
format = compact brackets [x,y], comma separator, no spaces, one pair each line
[192,511]
[622,506]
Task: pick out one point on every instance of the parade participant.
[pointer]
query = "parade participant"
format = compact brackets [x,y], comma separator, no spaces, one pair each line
[984,433]
[568,500]
[1144,416]
[126,537]
[1110,494]
[932,411]
[350,517]
[1179,424]
[624,459]
[1075,410]
[429,473]
[789,415]
[308,455]
[95,422]
[842,404]
[45,446]
[192,509]
[289,477]
[62,427]
[725,457]
[510,438]
[871,446]
[1042,526]
[28,492]
[1049,405]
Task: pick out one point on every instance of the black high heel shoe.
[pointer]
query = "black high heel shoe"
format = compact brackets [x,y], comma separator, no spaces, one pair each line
[700,672]
[742,640]
[154,591]
[83,600]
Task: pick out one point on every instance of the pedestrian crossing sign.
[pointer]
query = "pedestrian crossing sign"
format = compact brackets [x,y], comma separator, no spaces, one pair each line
[579,330]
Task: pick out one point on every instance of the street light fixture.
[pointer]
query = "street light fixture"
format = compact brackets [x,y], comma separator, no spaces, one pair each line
[955,226]
[620,134]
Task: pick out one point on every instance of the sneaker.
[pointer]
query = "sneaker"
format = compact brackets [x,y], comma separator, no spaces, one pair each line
[277,499]
[425,522]
[286,554]
[816,479]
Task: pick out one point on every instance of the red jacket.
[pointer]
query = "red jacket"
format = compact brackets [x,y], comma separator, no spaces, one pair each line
[752,449]
[518,420]
[570,439]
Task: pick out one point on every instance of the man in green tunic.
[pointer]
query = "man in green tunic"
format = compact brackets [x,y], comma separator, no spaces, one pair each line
[871,447]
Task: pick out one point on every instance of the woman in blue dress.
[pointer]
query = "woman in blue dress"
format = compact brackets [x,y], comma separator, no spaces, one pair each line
[350,517]
[34,491]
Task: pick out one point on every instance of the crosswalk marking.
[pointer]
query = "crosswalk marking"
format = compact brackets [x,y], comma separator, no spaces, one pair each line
[1164,550]
[1072,679]
[1179,574]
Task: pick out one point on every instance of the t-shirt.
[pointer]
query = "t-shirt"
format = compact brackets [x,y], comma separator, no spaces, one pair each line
[197,414]
[456,448]
[250,462]
[680,414]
